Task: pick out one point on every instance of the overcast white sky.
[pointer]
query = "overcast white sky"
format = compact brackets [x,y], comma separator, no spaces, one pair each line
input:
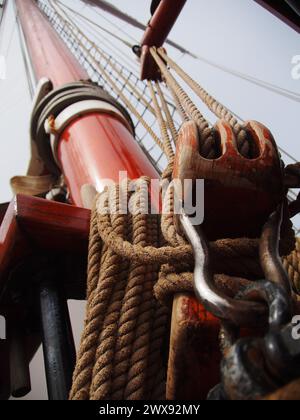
[235,33]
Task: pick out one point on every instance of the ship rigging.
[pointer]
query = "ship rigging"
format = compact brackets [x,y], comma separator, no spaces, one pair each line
[169,304]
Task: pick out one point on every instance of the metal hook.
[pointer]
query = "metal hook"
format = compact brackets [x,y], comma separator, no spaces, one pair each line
[277,293]
[269,251]
[235,311]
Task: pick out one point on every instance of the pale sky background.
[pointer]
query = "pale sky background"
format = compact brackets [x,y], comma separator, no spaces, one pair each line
[235,33]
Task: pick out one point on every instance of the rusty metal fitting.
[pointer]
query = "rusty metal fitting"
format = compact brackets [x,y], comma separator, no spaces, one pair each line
[269,251]
[255,367]
[50,125]
[236,311]
[233,183]
[246,309]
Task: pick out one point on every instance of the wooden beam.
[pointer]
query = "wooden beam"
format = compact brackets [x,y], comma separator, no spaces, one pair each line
[194,358]
[32,224]
[283,11]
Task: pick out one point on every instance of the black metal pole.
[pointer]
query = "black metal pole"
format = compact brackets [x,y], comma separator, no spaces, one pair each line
[58,342]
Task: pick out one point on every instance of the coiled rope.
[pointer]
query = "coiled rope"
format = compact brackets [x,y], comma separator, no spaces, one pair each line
[135,268]
[137,261]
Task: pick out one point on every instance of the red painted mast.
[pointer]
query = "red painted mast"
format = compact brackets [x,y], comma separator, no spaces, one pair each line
[50,57]
[96,146]
[95,142]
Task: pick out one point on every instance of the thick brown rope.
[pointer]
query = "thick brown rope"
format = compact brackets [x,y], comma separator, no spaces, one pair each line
[100,290]
[120,357]
[169,118]
[213,104]
[184,116]
[120,354]
[292,266]
[125,328]
[168,149]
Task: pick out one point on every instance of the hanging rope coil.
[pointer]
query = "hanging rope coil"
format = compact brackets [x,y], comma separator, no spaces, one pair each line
[120,353]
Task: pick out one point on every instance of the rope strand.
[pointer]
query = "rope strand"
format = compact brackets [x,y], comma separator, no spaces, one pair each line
[213,104]
[208,142]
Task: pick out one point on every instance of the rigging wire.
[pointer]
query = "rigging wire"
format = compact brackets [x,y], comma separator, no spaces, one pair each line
[237,116]
[80,34]
[109,8]
[88,50]
[11,37]
[122,56]
[86,20]
[113,24]
[248,78]
[29,75]
[253,80]
[3,12]
[128,44]
[129,86]
[281,149]
[81,19]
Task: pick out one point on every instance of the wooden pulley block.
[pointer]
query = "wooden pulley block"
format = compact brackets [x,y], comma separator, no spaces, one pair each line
[240,193]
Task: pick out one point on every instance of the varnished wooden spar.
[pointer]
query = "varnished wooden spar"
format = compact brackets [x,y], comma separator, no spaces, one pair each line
[195,354]
[158,29]
[32,224]
[33,227]
[285,10]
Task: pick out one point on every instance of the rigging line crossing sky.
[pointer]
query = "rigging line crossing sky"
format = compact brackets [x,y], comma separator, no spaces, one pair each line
[25,58]
[80,19]
[3,13]
[266,85]
[129,45]
[2,10]
[108,7]
[277,39]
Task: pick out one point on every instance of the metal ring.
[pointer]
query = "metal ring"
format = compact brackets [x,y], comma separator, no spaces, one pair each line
[73,111]
[54,103]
